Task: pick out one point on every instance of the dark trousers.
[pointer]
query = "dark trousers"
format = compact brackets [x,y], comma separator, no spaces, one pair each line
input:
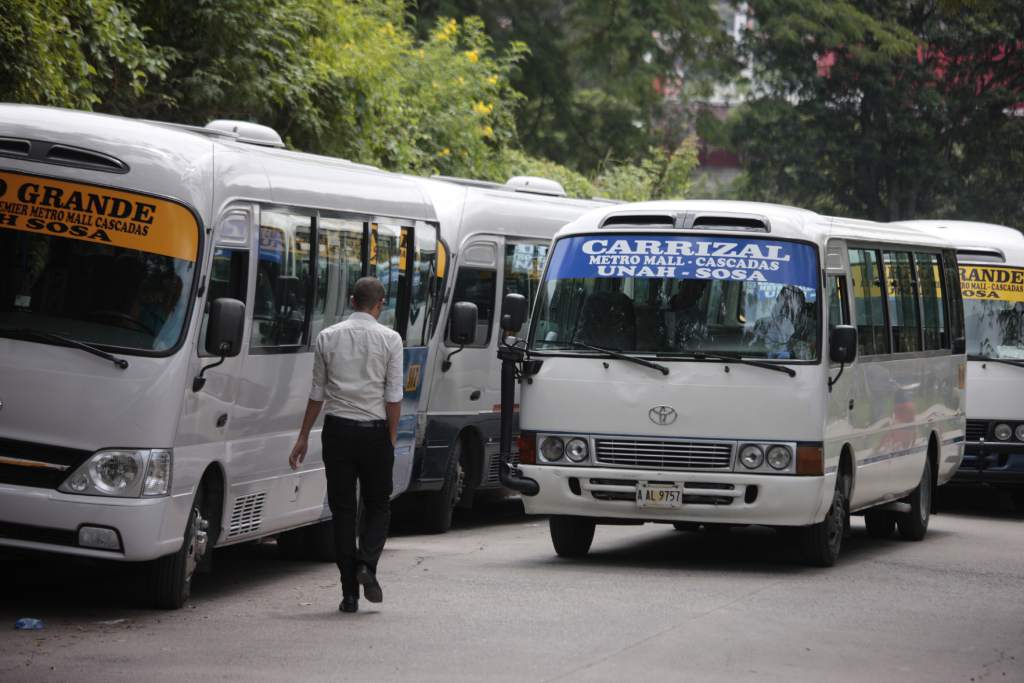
[363,454]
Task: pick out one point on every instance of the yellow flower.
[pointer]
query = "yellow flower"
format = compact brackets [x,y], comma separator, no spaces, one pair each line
[493,80]
[472,56]
[444,152]
[461,80]
[388,29]
[445,33]
[482,109]
[487,132]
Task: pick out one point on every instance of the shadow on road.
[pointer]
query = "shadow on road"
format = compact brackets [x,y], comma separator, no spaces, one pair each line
[980,501]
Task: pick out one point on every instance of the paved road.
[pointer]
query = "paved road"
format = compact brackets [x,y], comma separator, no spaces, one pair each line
[489,600]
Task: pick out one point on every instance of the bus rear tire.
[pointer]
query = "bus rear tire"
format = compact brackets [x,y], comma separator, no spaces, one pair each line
[820,543]
[172,574]
[914,524]
[879,523]
[437,508]
[571,536]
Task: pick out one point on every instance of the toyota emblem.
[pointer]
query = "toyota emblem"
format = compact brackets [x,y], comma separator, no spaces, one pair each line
[662,415]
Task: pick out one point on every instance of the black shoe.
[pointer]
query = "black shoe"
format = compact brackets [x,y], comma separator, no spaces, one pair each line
[349,603]
[371,589]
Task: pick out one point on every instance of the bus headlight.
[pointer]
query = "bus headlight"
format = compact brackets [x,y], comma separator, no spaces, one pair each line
[1019,432]
[751,456]
[577,450]
[779,457]
[125,473]
[552,448]
[1003,431]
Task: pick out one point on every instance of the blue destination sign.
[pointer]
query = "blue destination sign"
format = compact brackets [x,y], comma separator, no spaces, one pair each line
[691,258]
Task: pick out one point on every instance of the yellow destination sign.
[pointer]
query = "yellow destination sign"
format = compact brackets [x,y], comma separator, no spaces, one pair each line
[76,211]
[993,283]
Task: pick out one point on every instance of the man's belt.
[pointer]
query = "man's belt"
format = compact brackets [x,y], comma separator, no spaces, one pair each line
[357,424]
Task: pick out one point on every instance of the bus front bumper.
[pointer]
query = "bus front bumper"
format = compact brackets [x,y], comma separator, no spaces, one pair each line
[128,529]
[708,497]
[999,464]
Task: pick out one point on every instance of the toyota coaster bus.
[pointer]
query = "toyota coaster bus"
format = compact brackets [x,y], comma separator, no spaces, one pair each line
[728,363]
[992,276]
[160,286]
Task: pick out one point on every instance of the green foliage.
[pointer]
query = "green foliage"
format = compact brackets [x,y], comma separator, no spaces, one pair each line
[659,175]
[886,110]
[73,53]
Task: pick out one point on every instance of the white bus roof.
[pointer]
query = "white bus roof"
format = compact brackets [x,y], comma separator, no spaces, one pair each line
[758,219]
[185,162]
[978,242]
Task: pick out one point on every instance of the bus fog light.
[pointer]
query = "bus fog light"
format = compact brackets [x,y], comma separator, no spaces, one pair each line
[552,448]
[1003,431]
[79,483]
[1019,432]
[779,457]
[98,537]
[751,456]
[577,450]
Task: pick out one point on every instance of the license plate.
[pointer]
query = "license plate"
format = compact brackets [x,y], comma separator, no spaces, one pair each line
[658,496]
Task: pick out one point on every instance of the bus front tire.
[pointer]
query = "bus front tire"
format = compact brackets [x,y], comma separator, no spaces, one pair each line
[879,523]
[914,524]
[820,543]
[571,536]
[172,574]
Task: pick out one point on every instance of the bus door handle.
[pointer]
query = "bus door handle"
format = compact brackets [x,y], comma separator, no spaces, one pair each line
[475,396]
[851,404]
[222,419]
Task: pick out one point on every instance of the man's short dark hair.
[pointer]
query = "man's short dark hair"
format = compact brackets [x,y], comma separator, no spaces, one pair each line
[367,293]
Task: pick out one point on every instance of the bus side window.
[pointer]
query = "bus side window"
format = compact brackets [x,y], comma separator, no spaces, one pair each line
[524,262]
[421,299]
[229,271]
[904,313]
[869,304]
[477,285]
[339,265]
[283,281]
[929,277]
[951,280]
[838,312]
[388,264]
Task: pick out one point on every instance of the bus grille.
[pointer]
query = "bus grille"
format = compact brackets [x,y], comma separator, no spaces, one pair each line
[492,469]
[247,514]
[25,463]
[977,430]
[665,455]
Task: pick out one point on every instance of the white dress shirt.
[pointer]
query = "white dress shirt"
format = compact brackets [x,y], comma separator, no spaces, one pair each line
[357,368]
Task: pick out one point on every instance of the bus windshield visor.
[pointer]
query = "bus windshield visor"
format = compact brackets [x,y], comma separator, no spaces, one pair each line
[100,266]
[670,295]
[994,311]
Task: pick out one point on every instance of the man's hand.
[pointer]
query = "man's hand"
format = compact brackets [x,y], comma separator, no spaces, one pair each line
[394,438]
[298,452]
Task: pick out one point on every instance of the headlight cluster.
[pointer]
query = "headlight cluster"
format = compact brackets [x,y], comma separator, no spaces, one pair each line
[575,449]
[125,473]
[765,457]
[1004,432]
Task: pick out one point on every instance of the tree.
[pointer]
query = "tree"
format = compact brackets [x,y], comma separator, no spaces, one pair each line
[73,53]
[885,109]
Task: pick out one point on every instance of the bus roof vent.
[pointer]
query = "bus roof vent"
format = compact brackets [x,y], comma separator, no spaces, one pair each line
[981,255]
[251,133]
[84,158]
[535,185]
[15,147]
[725,221]
[660,220]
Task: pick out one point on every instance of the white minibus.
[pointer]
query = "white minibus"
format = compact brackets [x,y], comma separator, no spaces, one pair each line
[992,277]
[726,363]
[159,289]
[495,239]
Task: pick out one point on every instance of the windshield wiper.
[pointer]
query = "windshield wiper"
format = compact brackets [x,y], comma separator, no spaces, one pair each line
[612,353]
[1009,361]
[50,337]
[701,355]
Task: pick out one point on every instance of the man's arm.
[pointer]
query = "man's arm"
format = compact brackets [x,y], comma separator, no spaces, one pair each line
[302,442]
[394,389]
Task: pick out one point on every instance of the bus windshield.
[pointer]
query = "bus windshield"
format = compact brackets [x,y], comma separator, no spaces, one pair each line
[678,296]
[98,266]
[994,311]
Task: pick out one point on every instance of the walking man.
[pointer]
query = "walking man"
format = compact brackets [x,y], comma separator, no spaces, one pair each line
[357,373]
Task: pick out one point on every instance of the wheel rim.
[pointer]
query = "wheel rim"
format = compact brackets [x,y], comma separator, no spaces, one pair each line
[835,523]
[197,543]
[926,495]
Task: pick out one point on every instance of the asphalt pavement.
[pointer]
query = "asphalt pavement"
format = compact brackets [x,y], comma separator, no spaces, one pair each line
[490,600]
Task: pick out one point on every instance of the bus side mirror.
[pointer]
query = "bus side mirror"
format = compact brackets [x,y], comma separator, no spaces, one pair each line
[959,346]
[463,322]
[842,344]
[462,328]
[224,330]
[225,327]
[513,313]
